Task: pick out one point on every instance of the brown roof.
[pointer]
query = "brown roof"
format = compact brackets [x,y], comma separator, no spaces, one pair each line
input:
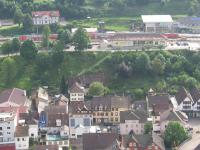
[133,115]
[51,119]
[15,95]
[56,109]
[182,94]
[110,101]
[75,106]
[98,141]
[195,93]
[21,131]
[30,118]
[76,88]
[159,102]
[46,147]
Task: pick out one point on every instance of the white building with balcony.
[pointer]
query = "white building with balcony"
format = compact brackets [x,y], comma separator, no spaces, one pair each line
[8,122]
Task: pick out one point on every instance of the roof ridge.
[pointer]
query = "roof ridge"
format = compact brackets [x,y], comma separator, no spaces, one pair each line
[11,94]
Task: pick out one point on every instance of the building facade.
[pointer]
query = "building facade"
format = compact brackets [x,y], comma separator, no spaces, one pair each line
[45,17]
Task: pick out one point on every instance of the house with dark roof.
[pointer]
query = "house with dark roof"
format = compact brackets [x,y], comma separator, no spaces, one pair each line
[158,103]
[14,98]
[142,142]
[76,92]
[106,109]
[195,93]
[100,141]
[80,121]
[55,129]
[132,121]
[21,138]
[185,101]
[172,115]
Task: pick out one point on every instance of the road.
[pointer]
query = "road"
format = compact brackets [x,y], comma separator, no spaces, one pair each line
[195,141]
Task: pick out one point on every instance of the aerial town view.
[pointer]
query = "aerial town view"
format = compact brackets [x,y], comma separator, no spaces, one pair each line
[99,74]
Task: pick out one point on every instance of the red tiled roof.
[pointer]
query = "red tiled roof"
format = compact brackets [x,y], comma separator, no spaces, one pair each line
[46,13]
[15,96]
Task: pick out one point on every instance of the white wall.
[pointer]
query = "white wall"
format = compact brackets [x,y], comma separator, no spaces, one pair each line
[33,131]
[8,130]
[129,125]
[76,97]
[21,143]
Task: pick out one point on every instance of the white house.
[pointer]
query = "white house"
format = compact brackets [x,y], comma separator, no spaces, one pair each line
[8,122]
[80,122]
[76,92]
[45,17]
[21,138]
[132,121]
[185,101]
[157,23]
[42,99]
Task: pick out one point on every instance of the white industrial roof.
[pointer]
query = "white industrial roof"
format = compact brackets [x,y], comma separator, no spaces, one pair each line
[156,18]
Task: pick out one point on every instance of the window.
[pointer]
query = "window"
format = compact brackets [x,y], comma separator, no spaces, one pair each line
[86,122]
[116,119]
[106,114]
[18,139]
[0,128]
[72,122]
[113,109]
[8,127]
[116,113]
[116,109]
[126,126]
[32,135]
[111,119]
[111,113]
[23,139]
[8,132]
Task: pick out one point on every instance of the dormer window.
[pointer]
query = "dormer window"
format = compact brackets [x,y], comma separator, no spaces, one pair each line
[100,107]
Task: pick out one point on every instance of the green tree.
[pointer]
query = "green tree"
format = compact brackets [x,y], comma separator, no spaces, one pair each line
[142,63]
[97,89]
[6,47]
[80,39]
[148,127]
[138,93]
[64,36]
[15,46]
[158,66]
[27,23]
[174,134]
[8,71]
[63,86]
[18,16]
[45,36]
[57,54]
[28,50]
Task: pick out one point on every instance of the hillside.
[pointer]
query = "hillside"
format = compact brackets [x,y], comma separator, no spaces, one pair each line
[128,72]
